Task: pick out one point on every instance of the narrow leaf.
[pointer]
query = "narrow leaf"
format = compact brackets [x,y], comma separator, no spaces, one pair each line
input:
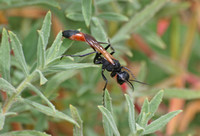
[108,105]
[87,11]
[77,131]
[39,93]
[139,19]
[187,94]
[43,80]
[55,48]
[144,119]
[160,122]
[109,118]
[19,55]
[102,2]
[48,111]
[69,66]
[136,4]
[98,31]
[141,76]
[108,101]
[75,16]
[5,56]
[144,110]
[10,114]
[25,133]
[15,4]
[112,16]
[2,120]
[46,28]
[56,80]
[131,114]
[153,38]
[6,86]
[139,129]
[155,102]
[40,51]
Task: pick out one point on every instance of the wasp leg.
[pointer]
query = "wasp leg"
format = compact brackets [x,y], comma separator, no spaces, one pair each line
[79,55]
[109,45]
[102,43]
[98,59]
[105,79]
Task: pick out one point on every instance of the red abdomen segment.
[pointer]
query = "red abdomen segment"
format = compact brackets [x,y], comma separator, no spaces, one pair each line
[78,37]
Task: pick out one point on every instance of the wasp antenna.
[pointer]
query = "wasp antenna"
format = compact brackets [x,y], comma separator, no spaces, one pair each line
[139,82]
[129,71]
[130,84]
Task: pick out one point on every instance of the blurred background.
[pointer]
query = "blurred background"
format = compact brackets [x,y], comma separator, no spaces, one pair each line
[160,47]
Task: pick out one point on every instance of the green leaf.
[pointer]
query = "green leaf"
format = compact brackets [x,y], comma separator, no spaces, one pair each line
[152,38]
[131,114]
[108,101]
[102,2]
[77,131]
[65,46]
[136,4]
[143,71]
[42,123]
[139,19]
[87,11]
[14,3]
[187,94]
[155,102]
[56,80]
[41,51]
[139,129]
[112,16]
[6,86]
[19,55]
[2,120]
[141,76]
[108,105]
[39,93]
[48,111]
[25,133]
[10,114]
[43,80]
[46,28]
[160,122]
[155,40]
[174,8]
[142,120]
[75,16]
[98,31]
[69,66]
[5,56]
[109,118]
[53,51]
[29,41]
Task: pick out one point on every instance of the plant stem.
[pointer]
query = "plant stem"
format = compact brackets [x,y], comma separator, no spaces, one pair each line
[19,89]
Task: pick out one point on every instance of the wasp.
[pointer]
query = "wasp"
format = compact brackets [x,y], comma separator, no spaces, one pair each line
[108,62]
